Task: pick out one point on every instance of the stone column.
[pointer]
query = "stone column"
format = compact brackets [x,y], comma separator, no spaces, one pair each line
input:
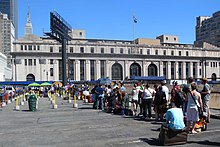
[191,69]
[126,69]
[184,70]
[161,68]
[55,70]
[77,70]
[87,70]
[197,70]
[176,70]
[98,70]
[168,70]
[144,68]
[108,69]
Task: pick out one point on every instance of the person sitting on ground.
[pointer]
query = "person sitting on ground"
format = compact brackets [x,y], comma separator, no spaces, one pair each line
[174,118]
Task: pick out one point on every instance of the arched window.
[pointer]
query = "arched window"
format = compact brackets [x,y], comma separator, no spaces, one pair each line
[30,77]
[152,70]
[117,72]
[135,70]
[214,77]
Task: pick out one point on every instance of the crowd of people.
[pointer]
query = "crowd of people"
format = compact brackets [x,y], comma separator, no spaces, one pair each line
[186,99]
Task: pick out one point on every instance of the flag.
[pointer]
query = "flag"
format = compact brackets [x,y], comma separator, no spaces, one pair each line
[135,19]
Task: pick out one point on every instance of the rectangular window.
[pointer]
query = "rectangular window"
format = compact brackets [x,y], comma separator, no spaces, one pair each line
[38,47]
[25,62]
[34,62]
[102,50]
[148,51]
[22,47]
[179,53]
[82,69]
[187,53]
[129,52]
[172,53]
[60,49]
[51,49]
[112,50]
[141,51]
[51,61]
[35,47]
[71,49]
[92,49]
[51,72]
[92,69]
[156,52]
[121,50]
[81,49]
[29,47]
[164,52]
[30,62]
[25,47]
[200,72]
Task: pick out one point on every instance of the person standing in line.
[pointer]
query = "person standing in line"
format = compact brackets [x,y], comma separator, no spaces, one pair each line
[147,101]
[165,89]
[185,90]
[140,97]
[205,94]
[160,103]
[100,97]
[135,99]
[194,99]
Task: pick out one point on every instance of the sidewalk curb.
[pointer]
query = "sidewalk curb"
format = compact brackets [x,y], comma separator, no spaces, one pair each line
[215,116]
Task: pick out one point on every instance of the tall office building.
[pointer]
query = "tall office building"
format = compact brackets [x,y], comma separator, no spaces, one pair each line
[208,30]
[10,7]
[7,35]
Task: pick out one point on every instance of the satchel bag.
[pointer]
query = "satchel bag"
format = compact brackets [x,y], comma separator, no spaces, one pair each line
[199,108]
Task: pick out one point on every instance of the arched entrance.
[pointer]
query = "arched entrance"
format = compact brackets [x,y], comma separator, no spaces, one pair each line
[30,77]
[117,72]
[135,69]
[152,70]
[214,77]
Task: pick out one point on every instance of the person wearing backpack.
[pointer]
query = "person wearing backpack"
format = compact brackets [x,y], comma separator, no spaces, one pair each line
[176,95]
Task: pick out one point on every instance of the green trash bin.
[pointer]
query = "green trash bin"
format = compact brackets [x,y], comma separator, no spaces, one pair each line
[32,101]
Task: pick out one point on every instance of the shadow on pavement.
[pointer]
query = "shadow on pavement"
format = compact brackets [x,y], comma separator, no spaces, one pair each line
[86,108]
[205,142]
[151,141]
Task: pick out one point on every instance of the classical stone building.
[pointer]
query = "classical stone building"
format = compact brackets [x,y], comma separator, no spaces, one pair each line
[39,58]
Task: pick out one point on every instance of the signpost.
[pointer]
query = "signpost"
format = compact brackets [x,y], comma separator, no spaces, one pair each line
[60,30]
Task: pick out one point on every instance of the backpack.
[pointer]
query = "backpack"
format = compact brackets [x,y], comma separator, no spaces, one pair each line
[178,99]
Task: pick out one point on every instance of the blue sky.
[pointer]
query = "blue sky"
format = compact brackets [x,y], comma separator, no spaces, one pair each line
[112,19]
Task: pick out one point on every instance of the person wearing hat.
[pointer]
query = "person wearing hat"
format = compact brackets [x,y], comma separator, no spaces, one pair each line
[174,117]
[205,94]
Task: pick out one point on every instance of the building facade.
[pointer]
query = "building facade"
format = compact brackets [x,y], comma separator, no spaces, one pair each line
[39,58]
[10,7]
[208,30]
[7,36]
[5,71]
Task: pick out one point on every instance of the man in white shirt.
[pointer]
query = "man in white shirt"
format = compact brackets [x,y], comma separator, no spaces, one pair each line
[165,89]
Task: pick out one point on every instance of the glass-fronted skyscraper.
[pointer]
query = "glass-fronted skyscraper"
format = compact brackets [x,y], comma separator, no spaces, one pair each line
[10,7]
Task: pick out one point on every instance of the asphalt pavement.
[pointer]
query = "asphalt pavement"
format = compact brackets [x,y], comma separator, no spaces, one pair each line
[85,127]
